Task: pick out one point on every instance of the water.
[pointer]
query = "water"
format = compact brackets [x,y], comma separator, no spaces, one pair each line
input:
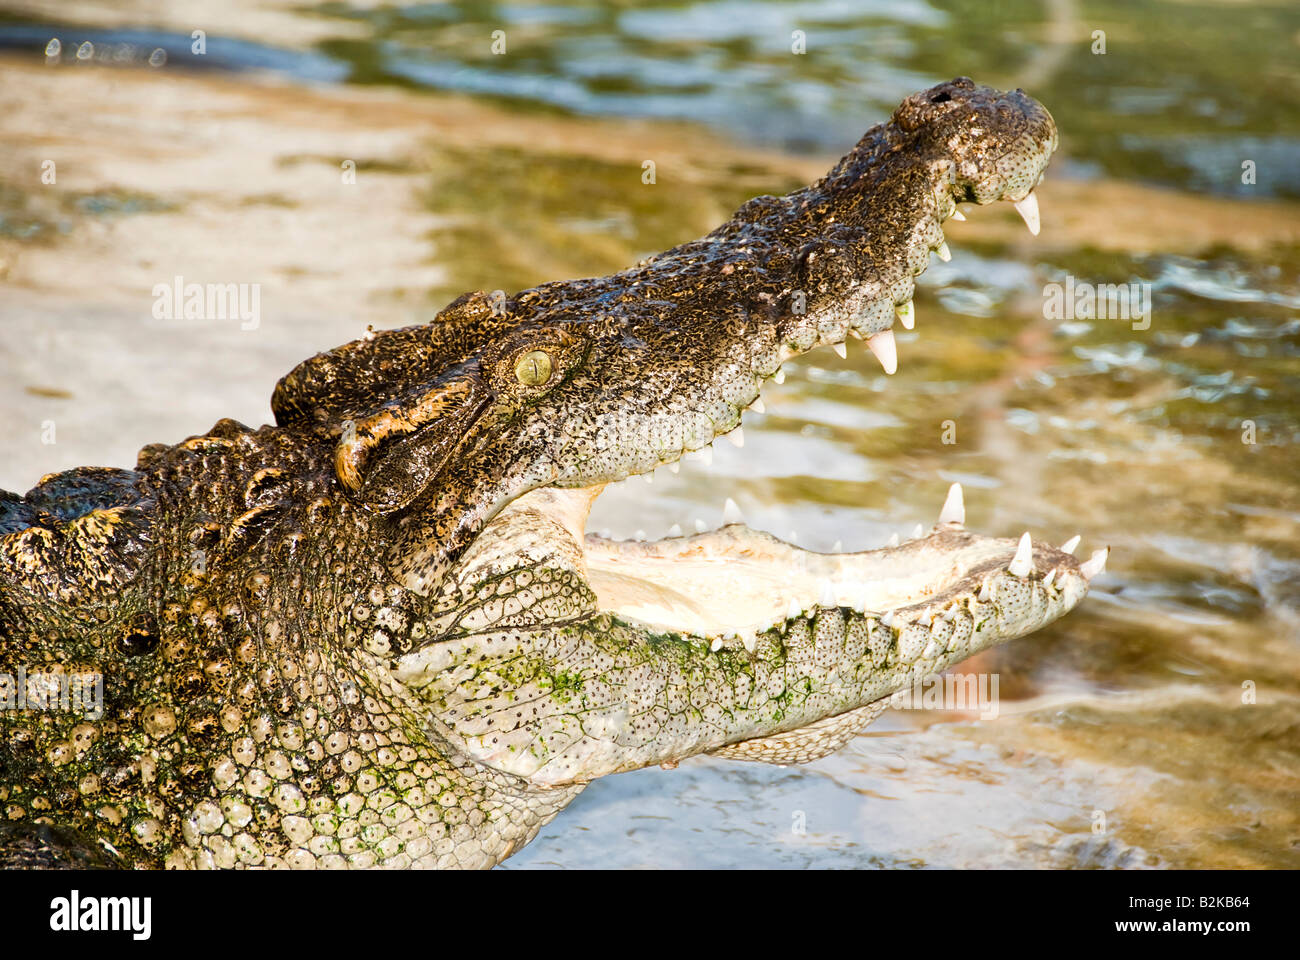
[1159,724]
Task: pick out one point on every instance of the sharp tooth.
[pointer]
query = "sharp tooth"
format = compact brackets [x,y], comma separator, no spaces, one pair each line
[700,525]
[918,532]
[639,535]
[716,645]
[887,618]
[779,376]
[985,593]
[757,405]
[841,349]
[1094,564]
[1028,208]
[944,253]
[957,214]
[795,611]
[882,345]
[749,642]
[1069,545]
[954,508]
[648,477]
[1047,580]
[675,467]
[839,546]
[731,513]
[893,540]
[1022,564]
[737,437]
[906,315]
[675,530]
[828,594]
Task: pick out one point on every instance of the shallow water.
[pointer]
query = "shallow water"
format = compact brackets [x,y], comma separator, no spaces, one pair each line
[1122,738]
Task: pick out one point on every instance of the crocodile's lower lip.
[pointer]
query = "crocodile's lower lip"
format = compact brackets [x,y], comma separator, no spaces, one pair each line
[733,583]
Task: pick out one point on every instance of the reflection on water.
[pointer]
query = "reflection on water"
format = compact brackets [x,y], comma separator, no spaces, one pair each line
[1185,110]
[1219,88]
[1167,707]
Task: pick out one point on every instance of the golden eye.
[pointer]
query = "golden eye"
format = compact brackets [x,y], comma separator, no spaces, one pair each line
[534,368]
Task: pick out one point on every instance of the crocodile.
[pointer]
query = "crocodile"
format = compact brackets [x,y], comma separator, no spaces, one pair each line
[376,632]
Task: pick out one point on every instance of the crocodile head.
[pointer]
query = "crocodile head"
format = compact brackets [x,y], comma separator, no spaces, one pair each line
[498,424]
[396,588]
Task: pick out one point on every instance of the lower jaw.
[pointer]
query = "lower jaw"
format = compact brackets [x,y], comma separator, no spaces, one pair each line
[728,585]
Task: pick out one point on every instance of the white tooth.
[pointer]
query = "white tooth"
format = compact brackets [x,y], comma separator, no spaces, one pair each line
[1028,208]
[1047,580]
[1069,545]
[648,477]
[749,642]
[1022,564]
[700,525]
[882,345]
[954,508]
[944,253]
[716,645]
[731,513]
[706,456]
[604,533]
[828,594]
[1094,564]
[860,607]
[839,547]
[887,618]
[675,467]
[985,593]
[779,376]
[906,315]
[957,214]
[757,405]
[675,530]
[841,349]
[918,532]
[737,437]
[639,535]
[893,540]
[795,611]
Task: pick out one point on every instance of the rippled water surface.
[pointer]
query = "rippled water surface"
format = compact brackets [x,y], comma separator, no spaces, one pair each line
[1158,724]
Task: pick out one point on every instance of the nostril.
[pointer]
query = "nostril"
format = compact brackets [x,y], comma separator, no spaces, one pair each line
[941,98]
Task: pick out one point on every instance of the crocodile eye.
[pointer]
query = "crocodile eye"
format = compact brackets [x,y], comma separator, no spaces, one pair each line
[534,368]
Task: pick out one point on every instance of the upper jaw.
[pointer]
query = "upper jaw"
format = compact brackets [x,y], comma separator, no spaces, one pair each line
[854,271]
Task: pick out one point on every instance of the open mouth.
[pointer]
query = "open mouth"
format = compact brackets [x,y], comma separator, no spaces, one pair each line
[731,585]
[735,583]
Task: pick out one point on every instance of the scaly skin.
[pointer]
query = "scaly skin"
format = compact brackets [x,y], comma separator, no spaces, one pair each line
[375,634]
